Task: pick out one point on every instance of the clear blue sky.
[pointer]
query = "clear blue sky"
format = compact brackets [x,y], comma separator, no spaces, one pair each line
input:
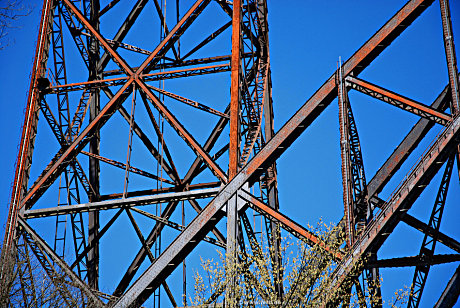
[306,40]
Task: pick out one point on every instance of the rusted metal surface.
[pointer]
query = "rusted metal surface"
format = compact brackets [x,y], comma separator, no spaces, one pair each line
[252,145]
[399,101]
[29,128]
[234,147]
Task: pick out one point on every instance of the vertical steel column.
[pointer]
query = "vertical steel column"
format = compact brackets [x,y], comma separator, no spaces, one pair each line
[234,154]
[29,128]
[94,169]
[235,91]
[357,208]
[450,55]
[451,60]
[345,152]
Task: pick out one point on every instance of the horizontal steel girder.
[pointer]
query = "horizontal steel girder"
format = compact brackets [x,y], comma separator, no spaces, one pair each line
[115,204]
[415,261]
[211,214]
[399,101]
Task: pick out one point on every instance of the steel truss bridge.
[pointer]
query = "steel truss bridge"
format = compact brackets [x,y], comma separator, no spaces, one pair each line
[125,146]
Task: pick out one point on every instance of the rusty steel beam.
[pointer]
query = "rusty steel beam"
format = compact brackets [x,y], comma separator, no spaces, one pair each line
[234,154]
[29,128]
[235,96]
[207,219]
[398,100]
[451,57]
[192,62]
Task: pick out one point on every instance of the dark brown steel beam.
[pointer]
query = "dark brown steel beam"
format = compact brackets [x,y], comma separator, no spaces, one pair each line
[174,225]
[161,190]
[414,261]
[172,37]
[123,166]
[108,7]
[61,161]
[451,59]
[123,30]
[95,33]
[207,40]
[189,102]
[423,227]
[97,238]
[450,294]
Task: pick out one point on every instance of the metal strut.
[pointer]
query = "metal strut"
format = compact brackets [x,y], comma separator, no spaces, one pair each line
[357,208]
[429,242]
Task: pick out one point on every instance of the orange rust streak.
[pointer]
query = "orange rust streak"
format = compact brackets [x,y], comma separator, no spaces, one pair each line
[234,145]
